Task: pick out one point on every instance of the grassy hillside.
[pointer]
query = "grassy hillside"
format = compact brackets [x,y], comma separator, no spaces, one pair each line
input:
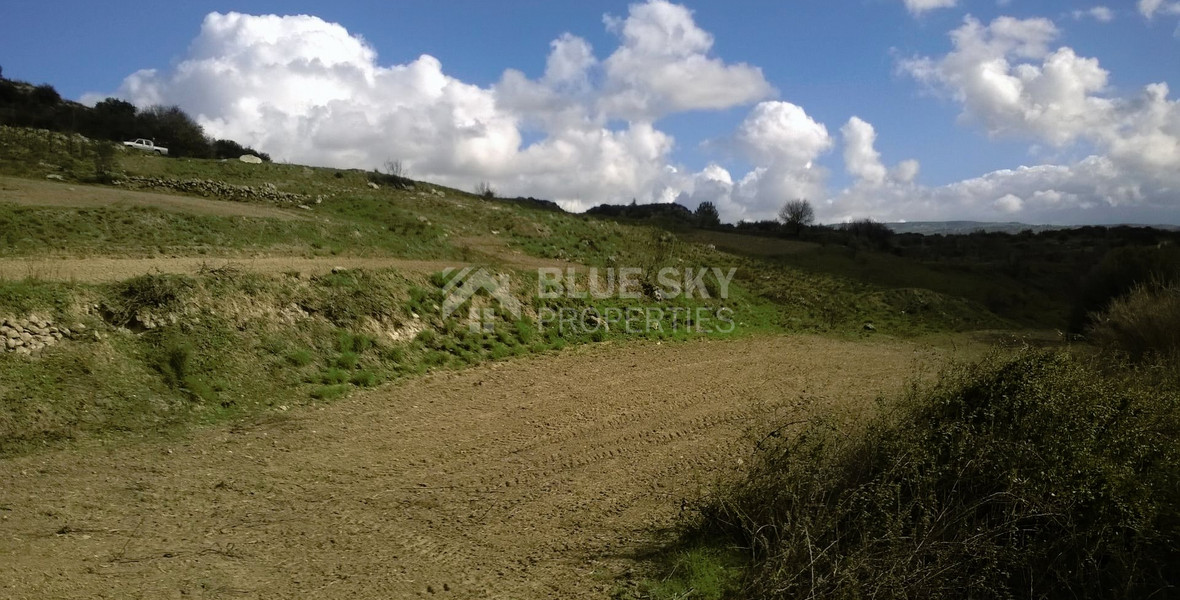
[169,348]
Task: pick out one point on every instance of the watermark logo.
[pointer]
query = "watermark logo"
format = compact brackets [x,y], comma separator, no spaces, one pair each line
[464,284]
[669,300]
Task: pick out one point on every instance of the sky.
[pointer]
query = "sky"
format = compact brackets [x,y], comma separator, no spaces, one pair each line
[1036,111]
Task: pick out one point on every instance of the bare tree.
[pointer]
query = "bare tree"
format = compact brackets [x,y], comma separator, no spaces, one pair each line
[395,168]
[797,214]
[485,190]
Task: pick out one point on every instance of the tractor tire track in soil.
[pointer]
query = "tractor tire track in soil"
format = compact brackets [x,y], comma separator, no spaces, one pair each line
[541,477]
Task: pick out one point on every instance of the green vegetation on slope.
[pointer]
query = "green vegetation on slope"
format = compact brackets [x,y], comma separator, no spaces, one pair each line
[1037,475]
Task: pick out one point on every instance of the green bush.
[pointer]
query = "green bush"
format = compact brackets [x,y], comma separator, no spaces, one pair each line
[1121,271]
[364,379]
[334,376]
[1035,476]
[347,360]
[329,392]
[300,358]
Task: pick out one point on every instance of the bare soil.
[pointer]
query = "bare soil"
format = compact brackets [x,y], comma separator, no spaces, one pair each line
[26,192]
[541,477]
[101,269]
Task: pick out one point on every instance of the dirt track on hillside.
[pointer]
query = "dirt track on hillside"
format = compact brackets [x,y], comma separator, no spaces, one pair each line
[534,478]
[96,270]
[26,192]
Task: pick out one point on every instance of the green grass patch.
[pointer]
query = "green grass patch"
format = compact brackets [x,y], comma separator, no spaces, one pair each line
[699,571]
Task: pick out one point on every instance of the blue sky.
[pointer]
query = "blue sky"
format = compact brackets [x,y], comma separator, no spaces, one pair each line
[830,60]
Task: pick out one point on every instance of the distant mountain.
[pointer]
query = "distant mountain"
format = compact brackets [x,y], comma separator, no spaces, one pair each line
[965,227]
[962,227]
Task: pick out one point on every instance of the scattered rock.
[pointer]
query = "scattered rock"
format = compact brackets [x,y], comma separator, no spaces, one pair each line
[55,177]
[211,188]
[250,158]
[30,335]
[374,186]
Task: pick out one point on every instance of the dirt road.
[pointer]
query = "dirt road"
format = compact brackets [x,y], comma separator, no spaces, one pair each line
[101,269]
[533,478]
[26,192]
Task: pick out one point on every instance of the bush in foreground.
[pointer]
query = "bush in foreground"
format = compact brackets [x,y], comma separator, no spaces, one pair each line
[1034,476]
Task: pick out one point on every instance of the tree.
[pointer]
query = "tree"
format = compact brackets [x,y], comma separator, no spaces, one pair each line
[797,214]
[113,119]
[485,190]
[175,130]
[875,233]
[395,168]
[707,215]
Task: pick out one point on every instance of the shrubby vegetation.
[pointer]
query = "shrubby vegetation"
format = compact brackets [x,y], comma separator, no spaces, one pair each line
[42,107]
[1040,475]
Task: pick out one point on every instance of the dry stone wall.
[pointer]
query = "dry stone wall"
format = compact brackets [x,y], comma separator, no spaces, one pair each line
[31,335]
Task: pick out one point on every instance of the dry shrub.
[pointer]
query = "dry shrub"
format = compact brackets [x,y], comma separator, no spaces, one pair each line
[1144,323]
[1034,476]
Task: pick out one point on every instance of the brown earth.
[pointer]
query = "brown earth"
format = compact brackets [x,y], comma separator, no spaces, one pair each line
[101,269]
[541,477]
[26,192]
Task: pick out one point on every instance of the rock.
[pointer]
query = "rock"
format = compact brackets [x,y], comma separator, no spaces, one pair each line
[10,344]
[79,327]
[374,186]
[250,158]
[11,333]
[55,177]
[336,270]
[869,327]
[304,207]
[25,336]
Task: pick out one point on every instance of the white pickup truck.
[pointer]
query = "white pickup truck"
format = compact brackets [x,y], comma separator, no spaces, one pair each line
[146,146]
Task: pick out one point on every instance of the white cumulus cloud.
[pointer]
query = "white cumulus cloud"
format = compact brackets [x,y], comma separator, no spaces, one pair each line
[1011,83]
[918,7]
[861,158]
[1149,8]
[307,90]
[662,66]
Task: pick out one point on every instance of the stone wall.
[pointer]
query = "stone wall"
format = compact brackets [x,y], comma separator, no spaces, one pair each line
[31,335]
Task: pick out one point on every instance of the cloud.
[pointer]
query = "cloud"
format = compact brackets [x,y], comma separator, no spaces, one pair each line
[1149,8]
[917,7]
[307,90]
[662,67]
[784,143]
[1101,14]
[1093,190]
[1011,84]
[1056,97]
[861,159]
